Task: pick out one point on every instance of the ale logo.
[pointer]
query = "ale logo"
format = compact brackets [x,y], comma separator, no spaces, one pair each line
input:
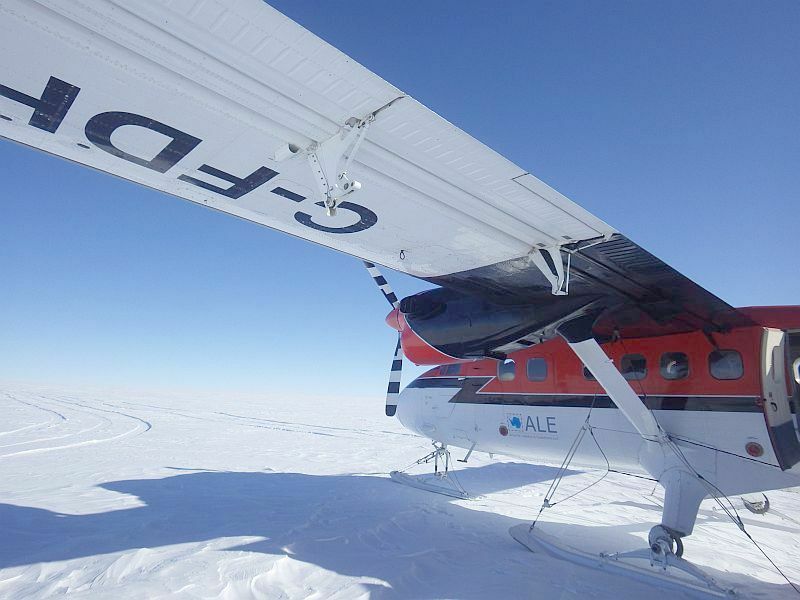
[531,425]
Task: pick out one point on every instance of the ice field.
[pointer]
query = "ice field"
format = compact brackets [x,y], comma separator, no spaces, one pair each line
[148,495]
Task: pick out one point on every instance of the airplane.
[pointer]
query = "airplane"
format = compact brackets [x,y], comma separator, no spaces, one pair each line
[545,325]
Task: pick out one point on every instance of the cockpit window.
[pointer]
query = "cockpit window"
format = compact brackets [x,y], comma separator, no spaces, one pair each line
[506,370]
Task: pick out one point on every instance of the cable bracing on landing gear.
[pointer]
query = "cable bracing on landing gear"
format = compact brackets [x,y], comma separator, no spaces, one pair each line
[548,503]
[441,481]
[715,492]
[731,512]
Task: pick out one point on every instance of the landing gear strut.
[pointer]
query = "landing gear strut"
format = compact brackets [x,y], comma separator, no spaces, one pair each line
[663,542]
[440,481]
[440,454]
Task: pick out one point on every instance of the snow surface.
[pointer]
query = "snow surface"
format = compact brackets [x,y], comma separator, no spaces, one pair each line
[133,495]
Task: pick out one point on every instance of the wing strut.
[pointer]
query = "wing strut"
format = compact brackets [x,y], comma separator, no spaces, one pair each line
[578,334]
[684,488]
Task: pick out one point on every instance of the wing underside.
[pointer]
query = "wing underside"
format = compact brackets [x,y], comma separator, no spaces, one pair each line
[229,105]
[638,294]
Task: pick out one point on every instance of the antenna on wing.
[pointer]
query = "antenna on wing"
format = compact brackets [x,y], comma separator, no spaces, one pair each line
[396,371]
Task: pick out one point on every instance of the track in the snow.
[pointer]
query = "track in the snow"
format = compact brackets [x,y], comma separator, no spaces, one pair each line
[73,424]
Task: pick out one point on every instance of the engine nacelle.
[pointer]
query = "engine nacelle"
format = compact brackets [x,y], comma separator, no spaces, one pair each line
[443,326]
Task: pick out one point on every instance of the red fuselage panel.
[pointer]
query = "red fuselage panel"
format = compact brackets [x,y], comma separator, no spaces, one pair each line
[565,374]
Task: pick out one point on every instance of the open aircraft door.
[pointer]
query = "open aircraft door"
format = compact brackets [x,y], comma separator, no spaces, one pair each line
[792,344]
[777,405]
[793,364]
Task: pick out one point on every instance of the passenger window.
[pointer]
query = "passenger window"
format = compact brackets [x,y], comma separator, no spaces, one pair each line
[587,374]
[633,366]
[537,369]
[450,369]
[725,364]
[506,370]
[674,365]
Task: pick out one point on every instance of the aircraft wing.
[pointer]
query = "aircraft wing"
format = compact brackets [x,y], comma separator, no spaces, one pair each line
[234,106]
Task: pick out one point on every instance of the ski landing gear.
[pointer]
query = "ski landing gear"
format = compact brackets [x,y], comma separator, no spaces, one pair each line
[684,487]
[662,562]
[440,481]
[663,553]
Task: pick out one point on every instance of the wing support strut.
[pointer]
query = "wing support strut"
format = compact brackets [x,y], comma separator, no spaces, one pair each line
[659,455]
[578,335]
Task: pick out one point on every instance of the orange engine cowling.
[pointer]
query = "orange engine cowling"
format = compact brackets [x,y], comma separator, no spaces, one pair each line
[415,348]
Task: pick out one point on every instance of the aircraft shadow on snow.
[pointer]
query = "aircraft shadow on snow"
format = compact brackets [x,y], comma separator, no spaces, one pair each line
[353,525]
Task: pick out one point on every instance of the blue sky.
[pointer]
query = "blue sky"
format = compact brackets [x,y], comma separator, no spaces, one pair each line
[676,122]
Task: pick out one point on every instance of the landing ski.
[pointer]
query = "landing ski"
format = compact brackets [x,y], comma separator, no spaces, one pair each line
[697,583]
[438,483]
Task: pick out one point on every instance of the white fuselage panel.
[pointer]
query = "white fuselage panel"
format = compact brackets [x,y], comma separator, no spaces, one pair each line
[544,435]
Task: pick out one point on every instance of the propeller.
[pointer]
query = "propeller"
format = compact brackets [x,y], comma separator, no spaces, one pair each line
[393,391]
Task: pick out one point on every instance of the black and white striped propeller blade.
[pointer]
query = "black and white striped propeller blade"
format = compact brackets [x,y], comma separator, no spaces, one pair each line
[393,391]
[396,372]
[384,287]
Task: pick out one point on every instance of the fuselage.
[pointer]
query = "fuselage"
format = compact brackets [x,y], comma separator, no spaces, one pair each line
[727,399]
